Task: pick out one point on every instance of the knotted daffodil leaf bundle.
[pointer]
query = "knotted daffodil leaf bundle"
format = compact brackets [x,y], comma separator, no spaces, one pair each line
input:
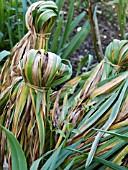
[30,95]
[44,69]
[27,79]
[95,100]
[117,53]
[44,17]
[40,19]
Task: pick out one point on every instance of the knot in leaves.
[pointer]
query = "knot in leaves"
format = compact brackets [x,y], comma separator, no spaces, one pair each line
[42,69]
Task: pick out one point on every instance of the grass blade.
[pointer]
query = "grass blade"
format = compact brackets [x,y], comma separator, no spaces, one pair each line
[68,24]
[50,164]
[4,54]
[77,40]
[40,120]
[35,164]
[120,156]
[18,158]
[75,23]
[88,58]
[122,137]
[20,104]
[81,63]
[59,4]
[110,164]
[69,165]
[57,34]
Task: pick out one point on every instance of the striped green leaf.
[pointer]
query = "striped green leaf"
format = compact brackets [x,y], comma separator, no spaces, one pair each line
[17,154]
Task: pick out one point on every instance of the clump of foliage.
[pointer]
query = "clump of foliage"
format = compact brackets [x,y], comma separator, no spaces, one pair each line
[30,81]
[64,129]
[80,113]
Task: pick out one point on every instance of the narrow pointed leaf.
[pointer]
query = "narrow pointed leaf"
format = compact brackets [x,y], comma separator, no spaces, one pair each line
[77,40]
[35,164]
[18,158]
[110,164]
[122,137]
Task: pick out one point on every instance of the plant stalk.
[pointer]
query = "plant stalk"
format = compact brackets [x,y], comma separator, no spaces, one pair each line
[98,36]
[93,30]
[120,9]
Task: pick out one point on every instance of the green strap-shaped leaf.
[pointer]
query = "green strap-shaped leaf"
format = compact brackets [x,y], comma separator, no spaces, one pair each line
[75,23]
[57,34]
[86,123]
[116,2]
[20,104]
[65,153]
[115,51]
[44,17]
[65,76]
[69,165]
[76,40]
[108,123]
[4,54]
[36,163]
[110,164]
[56,63]
[68,23]
[48,5]
[18,158]
[24,7]
[123,137]
[88,58]
[81,63]
[51,162]
[29,66]
[106,155]
[60,4]
[42,14]
[40,121]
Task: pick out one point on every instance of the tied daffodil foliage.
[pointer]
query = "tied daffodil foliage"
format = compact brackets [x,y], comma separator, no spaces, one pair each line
[27,101]
[27,80]
[82,125]
[92,114]
[40,19]
[117,53]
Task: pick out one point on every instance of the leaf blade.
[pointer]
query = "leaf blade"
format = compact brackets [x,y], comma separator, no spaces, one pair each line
[18,158]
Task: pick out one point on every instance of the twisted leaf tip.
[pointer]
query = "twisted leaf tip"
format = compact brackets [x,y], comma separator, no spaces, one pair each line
[40,69]
[41,16]
[117,53]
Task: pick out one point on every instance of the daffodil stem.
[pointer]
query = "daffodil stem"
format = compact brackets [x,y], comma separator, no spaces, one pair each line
[120,11]
[93,29]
